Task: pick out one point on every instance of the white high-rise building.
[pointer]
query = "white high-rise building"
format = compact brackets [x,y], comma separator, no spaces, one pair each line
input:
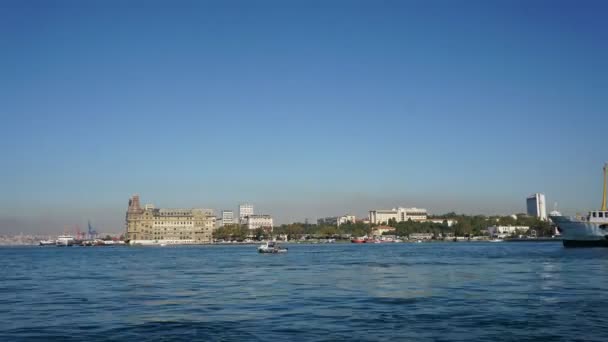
[535,205]
[227,217]
[244,211]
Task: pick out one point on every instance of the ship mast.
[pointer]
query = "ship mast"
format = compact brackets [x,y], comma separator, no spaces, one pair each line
[604,195]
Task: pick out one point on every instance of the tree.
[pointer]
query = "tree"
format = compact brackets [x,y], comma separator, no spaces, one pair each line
[259,233]
[231,232]
[328,231]
[463,227]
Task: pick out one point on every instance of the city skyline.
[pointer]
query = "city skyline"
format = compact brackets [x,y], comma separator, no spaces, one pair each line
[306,109]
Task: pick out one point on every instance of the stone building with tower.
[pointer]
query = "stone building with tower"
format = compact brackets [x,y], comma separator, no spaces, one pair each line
[150,225]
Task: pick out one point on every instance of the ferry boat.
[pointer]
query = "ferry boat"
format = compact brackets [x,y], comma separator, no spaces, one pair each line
[586,231]
[65,240]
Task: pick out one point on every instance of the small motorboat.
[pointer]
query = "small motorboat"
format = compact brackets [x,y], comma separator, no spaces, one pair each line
[271,247]
[363,239]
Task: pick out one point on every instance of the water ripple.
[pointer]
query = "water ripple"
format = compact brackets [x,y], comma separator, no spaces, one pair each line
[423,292]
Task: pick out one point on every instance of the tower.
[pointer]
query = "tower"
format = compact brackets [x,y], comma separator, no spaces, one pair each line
[604,194]
[134,205]
[535,205]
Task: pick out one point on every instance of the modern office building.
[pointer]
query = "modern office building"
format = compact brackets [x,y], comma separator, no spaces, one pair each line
[259,221]
[536,207]
[244,211]
[381,216]
[227,217]
[171,226]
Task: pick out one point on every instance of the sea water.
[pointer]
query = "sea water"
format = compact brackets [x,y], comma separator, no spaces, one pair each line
[323,292]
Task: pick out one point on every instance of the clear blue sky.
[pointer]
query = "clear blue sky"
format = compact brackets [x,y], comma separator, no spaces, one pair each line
[304,108]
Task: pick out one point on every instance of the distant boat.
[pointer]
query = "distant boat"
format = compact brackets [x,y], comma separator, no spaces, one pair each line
[47,242]
[271,247]
[65,240]
[358,240]
[496,240]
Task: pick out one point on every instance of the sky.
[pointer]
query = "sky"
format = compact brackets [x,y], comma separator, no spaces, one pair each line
[304,108]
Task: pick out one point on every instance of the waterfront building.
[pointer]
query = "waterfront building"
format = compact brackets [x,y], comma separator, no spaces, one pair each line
[421,236]
[380,230]
[336,220]
[174,226]
[449,222]
[535,205]
[245,210]
[259,221]
[345,219]
[504,231]
[380,216]
[227,217]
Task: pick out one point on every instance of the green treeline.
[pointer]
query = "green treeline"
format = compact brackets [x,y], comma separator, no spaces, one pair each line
[466,226]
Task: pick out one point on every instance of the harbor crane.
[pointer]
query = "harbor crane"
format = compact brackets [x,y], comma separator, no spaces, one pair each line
[92,232]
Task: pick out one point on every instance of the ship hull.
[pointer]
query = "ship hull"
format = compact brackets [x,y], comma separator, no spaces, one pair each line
[585,243]
[579,233]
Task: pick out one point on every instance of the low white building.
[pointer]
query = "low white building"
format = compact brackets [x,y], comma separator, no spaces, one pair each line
[380,230]
[504,231]
[259,221]
[381,216]
[421,236]
[336,220]
[450,222]
[345,219]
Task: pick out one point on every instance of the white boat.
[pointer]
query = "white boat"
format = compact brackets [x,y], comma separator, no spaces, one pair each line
[586,231]
[65,240]
[47,242]
[271,247]
[496,240]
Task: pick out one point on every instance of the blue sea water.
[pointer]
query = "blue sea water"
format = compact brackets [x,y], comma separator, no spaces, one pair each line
[387,292]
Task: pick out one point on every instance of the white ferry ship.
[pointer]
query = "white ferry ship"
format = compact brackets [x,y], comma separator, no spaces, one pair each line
[587,231]
[65,240]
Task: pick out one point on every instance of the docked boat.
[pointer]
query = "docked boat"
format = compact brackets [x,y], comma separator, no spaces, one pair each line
[47,243]
[271,247]
[358,240]
[65,240]
[590,230]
